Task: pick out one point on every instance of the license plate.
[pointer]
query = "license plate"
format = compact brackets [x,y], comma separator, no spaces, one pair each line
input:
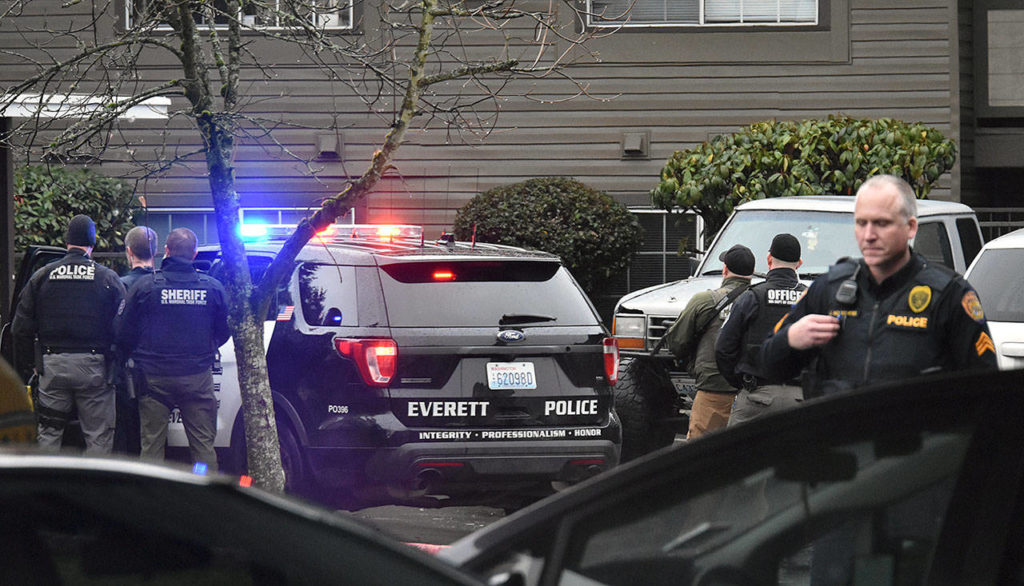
[511,375]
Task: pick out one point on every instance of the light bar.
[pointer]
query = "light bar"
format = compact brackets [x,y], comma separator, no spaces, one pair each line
[379,232]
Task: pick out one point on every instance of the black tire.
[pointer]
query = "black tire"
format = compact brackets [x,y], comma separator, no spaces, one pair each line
[645,401]
[296,478]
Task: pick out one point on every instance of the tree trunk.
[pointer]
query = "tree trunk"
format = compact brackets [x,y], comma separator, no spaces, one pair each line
[263,451]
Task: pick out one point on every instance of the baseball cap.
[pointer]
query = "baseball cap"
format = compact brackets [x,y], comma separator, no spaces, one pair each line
[739,260]
[785,247]
[81,231]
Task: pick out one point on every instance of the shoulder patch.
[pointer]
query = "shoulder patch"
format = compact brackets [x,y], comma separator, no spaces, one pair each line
[984,344]
[972,305]
[919,298]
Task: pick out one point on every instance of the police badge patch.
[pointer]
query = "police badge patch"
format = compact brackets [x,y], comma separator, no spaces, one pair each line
[972,305]
[919,298]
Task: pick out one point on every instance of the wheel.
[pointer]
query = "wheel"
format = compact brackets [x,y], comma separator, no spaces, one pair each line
[296,477]
[645,401]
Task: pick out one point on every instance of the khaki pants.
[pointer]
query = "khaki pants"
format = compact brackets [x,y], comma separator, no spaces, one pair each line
[710,411]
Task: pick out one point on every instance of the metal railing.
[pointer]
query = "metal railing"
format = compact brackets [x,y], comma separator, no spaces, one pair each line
[998,221]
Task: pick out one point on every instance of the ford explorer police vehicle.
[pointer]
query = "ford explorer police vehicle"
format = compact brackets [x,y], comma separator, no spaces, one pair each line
[654,393]
[401,368]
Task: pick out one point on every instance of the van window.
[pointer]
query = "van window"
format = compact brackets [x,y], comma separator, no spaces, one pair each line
[970,238]
[933,243]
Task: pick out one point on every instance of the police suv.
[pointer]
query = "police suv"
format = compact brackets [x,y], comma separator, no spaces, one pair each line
[401,367]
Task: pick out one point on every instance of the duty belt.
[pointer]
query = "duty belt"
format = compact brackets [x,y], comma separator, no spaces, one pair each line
[73,350]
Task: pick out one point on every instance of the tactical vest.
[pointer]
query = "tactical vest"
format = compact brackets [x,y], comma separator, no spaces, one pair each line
[884,340]
[74,307]
[773,303]
[179,315]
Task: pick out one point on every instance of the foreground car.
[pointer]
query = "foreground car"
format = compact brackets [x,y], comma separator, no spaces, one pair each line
[78,520]
[919,483]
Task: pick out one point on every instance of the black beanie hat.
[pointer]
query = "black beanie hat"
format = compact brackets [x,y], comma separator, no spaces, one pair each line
[785,247]
[81,231]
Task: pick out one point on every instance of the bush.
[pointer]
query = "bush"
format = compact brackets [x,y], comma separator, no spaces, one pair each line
[810,157]
[592,233]
[47,197]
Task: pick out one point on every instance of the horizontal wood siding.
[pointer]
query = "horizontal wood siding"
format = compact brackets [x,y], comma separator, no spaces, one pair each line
[887,62]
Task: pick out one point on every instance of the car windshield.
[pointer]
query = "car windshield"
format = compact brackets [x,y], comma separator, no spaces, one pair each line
[483,294]
[1001,290]
[824,238]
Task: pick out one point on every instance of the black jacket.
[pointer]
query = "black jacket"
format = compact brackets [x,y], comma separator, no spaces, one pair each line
[134,275]
[753,318]
[923,319]
[174,320]
[70,304]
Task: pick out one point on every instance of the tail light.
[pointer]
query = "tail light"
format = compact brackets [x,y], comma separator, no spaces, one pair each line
[376,358]
[611,360]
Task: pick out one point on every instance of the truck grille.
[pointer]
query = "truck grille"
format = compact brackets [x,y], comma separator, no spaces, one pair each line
[657,325]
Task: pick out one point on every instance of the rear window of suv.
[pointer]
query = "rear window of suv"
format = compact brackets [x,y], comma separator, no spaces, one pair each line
[481,293]
[1001,289]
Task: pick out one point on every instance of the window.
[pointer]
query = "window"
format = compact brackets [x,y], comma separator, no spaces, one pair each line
[702,12]
[855,502]
[1001,290]
[970,239]
[326,295]
[932,242]
[331,14]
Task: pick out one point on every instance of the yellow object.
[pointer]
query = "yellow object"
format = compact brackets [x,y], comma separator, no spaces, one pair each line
[17,421]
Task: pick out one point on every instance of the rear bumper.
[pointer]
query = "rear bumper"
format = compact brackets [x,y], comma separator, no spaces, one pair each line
[429,465]
[435,465]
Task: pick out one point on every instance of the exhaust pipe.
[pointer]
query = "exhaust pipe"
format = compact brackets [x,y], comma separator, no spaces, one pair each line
[427,479]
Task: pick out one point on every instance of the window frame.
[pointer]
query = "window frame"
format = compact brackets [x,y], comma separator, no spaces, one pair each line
[820,17]
[349,8]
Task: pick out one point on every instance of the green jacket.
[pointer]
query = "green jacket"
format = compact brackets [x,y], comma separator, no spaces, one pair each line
[689,344]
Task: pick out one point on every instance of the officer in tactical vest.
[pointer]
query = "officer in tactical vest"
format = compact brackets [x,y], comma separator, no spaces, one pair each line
[63,328]
[174,321]
[753,318]
[693,336]
[890,315]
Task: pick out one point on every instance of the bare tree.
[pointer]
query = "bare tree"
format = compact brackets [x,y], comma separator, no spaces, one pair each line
[413,66]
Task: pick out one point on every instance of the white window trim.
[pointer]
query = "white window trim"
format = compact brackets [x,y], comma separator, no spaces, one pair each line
[349,25]
[701,24]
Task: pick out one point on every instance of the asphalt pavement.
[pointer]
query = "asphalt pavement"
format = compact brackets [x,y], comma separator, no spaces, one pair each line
[435,526]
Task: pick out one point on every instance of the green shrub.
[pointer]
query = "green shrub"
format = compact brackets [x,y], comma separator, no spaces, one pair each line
[809,157]
[592,233]
[47,197]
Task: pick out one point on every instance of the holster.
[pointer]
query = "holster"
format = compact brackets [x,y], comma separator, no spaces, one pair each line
[749,382]
[38,357]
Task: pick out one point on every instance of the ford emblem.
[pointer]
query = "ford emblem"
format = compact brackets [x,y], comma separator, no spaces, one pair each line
[511,336]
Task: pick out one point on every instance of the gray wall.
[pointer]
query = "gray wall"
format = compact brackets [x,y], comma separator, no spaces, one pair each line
[679,86]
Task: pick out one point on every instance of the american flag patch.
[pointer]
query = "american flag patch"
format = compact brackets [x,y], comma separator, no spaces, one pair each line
[286,313]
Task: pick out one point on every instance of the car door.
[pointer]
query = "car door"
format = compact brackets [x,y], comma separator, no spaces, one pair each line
[35,258]
[900,485]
